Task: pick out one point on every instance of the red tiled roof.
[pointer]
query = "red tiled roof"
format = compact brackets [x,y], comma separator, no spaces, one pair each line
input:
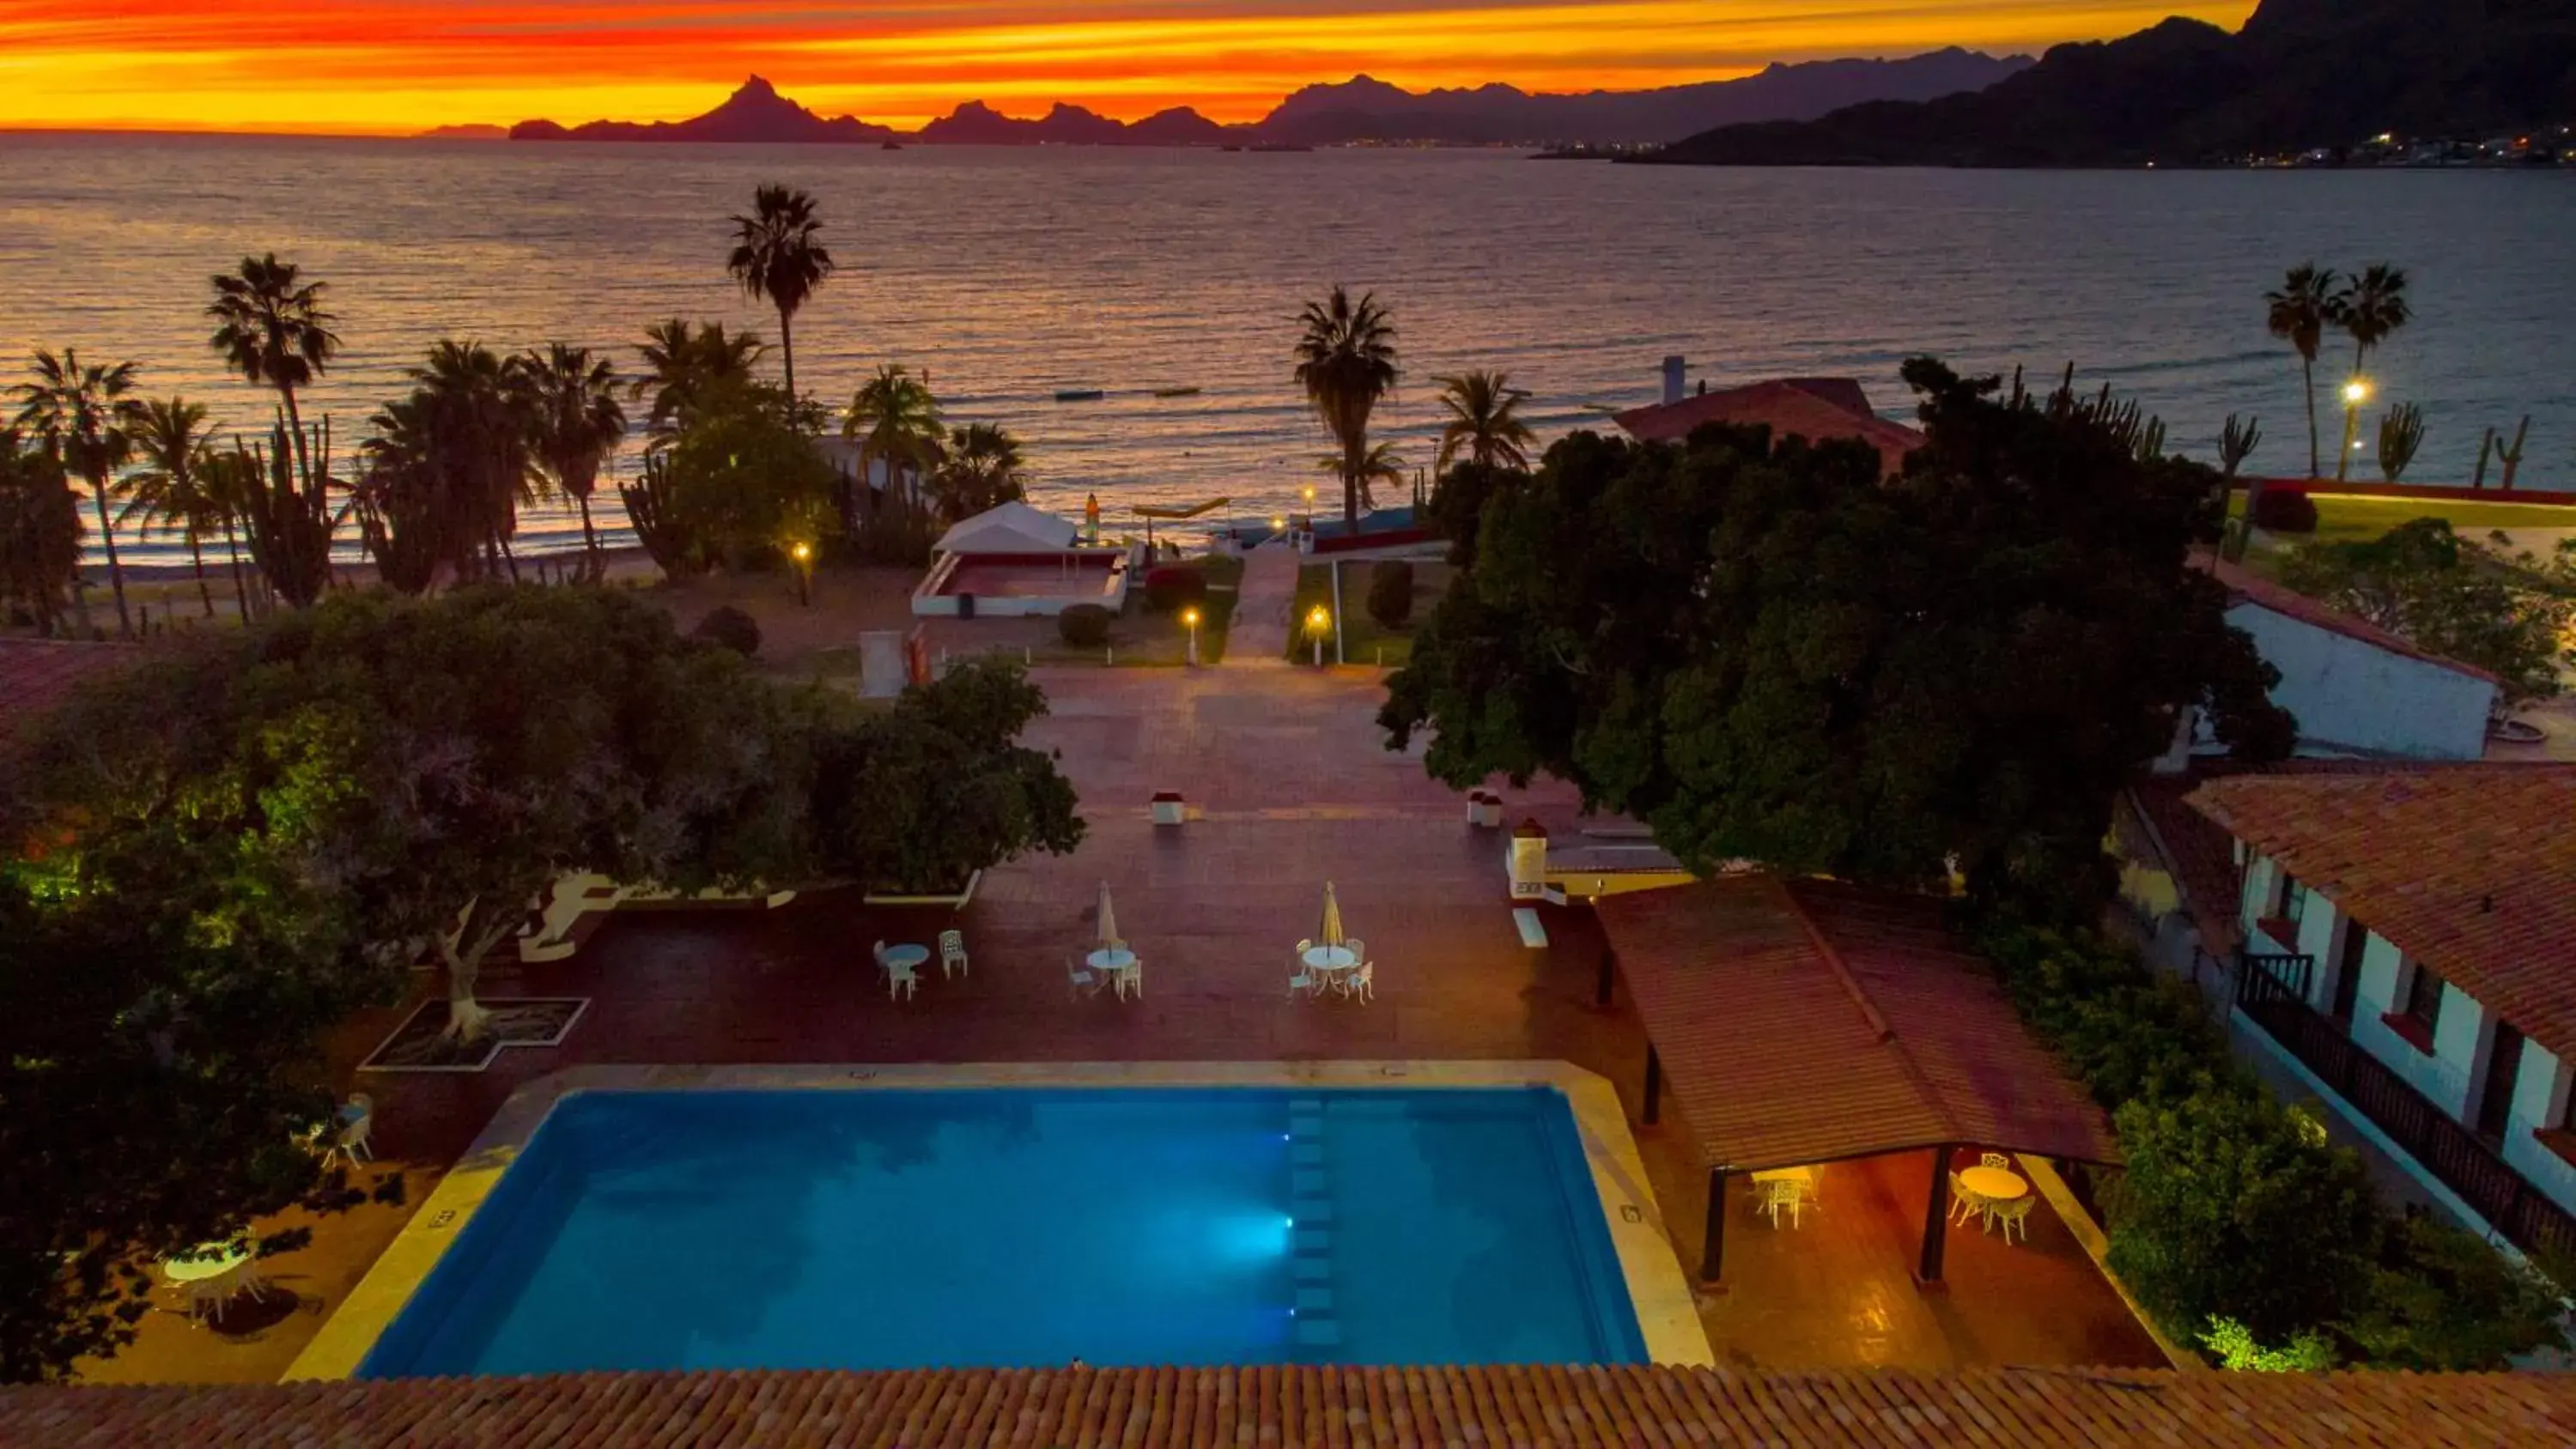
[1810,1021]
[2469,868]
[2201,855]
[2253,588]
[1815,408]
[38,674]
[1296,1407]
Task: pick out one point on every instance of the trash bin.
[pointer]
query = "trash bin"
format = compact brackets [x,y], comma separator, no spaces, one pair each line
[965,606]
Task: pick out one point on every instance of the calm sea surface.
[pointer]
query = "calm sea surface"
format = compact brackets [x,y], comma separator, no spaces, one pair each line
[1008,274]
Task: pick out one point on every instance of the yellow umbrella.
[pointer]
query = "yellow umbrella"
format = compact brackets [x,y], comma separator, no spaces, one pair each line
[1330,933]
[1108,921]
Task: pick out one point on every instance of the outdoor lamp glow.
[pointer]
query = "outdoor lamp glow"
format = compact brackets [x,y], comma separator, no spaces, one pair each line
[1190,617]
[803,551]
[1319,619]
[2356,391]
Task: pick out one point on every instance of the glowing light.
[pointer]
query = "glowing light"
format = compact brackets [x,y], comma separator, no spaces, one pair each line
[1319,620]
[1190,617]
[2356,391]
[803,551]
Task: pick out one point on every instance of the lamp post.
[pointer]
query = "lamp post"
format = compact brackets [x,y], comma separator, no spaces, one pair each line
[803,553]
[1190,617]
[1310,508]
[2355,393]
[1318,620]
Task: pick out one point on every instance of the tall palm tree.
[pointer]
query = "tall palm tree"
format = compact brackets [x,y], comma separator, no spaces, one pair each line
[174,487]
[231,482]
[981,470]
[570,399]
[448,467]
[894,420]
[2299,313]
[1346,362]
[683,365]
[272,328]
[1484,421]
[2371,309]
[777,257]
[1380,464]
[40,531]
[86,419]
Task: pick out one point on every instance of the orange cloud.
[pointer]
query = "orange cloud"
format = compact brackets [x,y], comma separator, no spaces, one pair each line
[401,65]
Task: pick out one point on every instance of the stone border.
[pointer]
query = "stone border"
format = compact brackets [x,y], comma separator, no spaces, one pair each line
[1667,1317]
[374,1061]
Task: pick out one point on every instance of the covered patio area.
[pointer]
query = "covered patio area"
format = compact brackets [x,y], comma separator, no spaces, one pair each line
[1868,1116]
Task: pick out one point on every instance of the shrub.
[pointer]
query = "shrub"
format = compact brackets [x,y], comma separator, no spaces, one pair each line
[1084,626]
[2284,510]
[1390,595]
[732,628]
[1169,586]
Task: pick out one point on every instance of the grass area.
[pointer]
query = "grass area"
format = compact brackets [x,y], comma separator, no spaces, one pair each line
[1364,640]
[1142,638]
[2345,519]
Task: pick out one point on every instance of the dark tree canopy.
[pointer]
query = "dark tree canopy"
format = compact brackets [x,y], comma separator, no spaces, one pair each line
[1766,654]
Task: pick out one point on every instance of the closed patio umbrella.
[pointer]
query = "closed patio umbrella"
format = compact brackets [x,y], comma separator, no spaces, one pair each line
[1108,921]
[1330,933]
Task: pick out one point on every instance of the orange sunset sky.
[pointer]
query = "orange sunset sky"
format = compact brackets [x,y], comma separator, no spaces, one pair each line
[404,65]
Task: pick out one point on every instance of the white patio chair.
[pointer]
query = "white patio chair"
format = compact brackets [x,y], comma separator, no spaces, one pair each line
[1995,1159]
[901,981]
[1964,1202]
[952,953]
[1783,1193]
[356,1138]
[1129,979]
[1359,981]
[1357,947]
[1083,980]
[2013,1215]
[1303,980]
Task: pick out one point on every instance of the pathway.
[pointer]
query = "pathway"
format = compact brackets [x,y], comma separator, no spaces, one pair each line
[1258,637]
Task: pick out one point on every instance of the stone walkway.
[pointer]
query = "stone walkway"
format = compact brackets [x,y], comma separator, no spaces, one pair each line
[1259,635]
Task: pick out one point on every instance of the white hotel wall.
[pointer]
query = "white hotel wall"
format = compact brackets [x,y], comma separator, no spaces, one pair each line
[2355,696]
[2461,1042]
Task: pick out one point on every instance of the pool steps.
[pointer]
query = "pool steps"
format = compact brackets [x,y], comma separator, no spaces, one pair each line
[1310,1202]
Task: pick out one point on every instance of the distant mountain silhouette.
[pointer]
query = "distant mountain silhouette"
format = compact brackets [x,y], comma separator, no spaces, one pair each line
[2301,74]
[756,112]
[464,133]
[1361,109]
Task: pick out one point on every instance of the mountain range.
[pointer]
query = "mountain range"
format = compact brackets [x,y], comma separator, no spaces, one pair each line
[1359,110]
[2301,74]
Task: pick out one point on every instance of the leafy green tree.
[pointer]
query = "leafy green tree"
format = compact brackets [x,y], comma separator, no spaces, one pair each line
[2443,1300]
[569,400]
[1346,365]
[173,487]
[2299,314]
[1484,423]
[40,532]
[742,481]
[272,328]
[980,469]
[1457,505]
[778,256]
[685,364]
[2451,596]
[86,419]
[1765,654]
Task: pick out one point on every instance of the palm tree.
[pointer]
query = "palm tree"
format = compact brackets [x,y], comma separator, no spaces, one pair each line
[980,470]
[170,440]
[271,327]
[1346,362]
[1484,421]
[40,531]
[1380,464]
[683,365]
[2373,307]
[230,479]
[776,257]
[570,399]
[2299,312]
[86,420]
[894,419]
[448,468]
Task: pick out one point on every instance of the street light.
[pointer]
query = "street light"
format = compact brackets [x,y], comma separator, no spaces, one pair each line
[2355,393]
[1318,620]
[803,553]
[1191,617]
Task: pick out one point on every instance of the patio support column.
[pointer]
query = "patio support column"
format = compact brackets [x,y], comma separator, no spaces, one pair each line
[1601,989]
[1654,1086]
[1712,1244]
[1936,1219]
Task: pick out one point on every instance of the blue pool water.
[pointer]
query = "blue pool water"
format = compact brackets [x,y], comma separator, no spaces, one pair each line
[901,1228]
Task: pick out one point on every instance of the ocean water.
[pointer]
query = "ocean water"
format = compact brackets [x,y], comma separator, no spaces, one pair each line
[1009,274]
[910,1229]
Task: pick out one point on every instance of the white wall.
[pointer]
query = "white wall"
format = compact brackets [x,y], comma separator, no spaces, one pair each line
[2354,696]
[2540,1101]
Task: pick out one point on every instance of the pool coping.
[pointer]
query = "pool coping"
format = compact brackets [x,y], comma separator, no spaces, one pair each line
[1667,1316]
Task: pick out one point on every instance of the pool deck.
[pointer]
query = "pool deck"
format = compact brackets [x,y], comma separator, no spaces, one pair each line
[1289,785]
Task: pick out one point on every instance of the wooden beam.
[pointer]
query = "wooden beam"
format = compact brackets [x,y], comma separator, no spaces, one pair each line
[1712,1243]
[1936,1219]
[1654,1085]
[1602,988]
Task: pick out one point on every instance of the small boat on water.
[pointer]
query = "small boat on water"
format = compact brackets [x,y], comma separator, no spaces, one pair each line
[890,146]
[1079,394]
[1176,392]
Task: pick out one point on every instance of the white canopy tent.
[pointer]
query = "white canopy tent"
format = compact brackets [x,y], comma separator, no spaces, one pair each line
[1012,528]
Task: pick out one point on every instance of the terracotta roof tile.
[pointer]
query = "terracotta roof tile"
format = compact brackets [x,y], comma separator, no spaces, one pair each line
[2253,588]
[1809,1021]
[1815,408]
[1294,1407]
[2469,868]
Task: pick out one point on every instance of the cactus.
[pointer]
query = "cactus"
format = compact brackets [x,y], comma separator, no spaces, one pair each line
[2401,435]
[289,519]
[2486,446]
[2512,457]
[2237,442]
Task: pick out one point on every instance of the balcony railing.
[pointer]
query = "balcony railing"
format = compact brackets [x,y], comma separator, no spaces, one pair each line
[2272,991]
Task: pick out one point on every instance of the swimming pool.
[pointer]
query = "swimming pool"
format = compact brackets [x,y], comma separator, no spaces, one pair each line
[904,1228]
